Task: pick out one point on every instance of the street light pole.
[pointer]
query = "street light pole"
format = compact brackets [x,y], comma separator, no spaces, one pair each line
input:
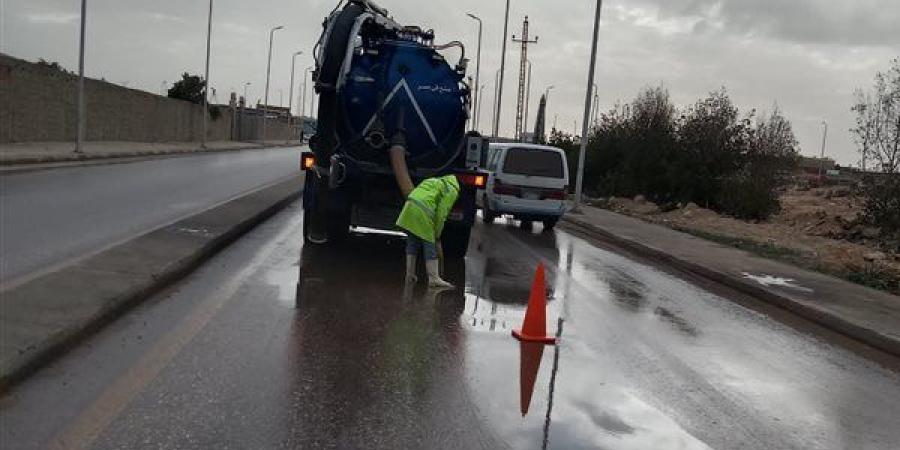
[268,70]
[824,136]
[206,77]
[79,138]
[480,97]
[494,115]
[587,108]
[291,91]
[303,102]
[477,73]
[502,67]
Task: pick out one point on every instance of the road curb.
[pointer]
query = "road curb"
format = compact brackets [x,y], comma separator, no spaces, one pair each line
[41,319]
[821,317]
[52,162]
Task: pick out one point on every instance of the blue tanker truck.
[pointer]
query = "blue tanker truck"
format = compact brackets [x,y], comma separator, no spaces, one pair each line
[375,77]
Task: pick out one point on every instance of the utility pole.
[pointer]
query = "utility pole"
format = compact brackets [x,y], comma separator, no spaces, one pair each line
[527,100]
[79,137]
[499,96]
[520,98]
[477,73]
[587,108]
[268,70]
[206,77]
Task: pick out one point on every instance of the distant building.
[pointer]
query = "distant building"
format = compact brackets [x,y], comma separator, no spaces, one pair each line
[815,166]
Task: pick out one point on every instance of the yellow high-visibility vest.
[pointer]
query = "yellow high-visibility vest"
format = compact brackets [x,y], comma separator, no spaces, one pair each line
[428,206]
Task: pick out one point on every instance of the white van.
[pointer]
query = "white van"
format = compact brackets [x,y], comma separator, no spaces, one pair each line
[527,181]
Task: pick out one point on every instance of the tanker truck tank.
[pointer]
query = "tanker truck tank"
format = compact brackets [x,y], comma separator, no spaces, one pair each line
[374,77]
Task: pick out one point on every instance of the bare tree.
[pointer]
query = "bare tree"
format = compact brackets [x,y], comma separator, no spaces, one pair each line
[877,131]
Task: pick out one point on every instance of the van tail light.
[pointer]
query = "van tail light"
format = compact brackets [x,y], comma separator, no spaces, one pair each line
[505,189]
[307,160]
[477,180]
[555,194]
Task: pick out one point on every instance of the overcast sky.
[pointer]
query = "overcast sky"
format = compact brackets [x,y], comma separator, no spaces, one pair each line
[806,55]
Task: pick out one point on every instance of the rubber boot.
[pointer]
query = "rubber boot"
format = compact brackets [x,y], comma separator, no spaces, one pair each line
[411,269]
[432,266]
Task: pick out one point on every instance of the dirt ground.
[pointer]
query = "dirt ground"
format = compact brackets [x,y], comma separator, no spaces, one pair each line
[817,229]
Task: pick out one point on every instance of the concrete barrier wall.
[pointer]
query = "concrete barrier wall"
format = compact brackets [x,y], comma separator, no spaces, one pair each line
[38,103]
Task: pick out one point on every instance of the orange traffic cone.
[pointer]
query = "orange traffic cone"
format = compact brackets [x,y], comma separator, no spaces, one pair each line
[534,329]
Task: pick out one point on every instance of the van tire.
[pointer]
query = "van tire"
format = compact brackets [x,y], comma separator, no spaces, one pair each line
[488,216]
[550,223]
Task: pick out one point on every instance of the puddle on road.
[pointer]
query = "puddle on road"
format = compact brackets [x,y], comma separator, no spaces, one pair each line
[528,395]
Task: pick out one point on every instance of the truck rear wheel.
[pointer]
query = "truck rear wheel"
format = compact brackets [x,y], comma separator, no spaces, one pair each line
[455,241]
[550,223]
[338,227]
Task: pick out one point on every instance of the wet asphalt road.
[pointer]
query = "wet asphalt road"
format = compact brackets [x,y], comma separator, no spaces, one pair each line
[51,216]
[271,345]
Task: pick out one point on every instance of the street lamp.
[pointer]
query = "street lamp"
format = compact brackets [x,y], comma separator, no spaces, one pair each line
[206,76]
[502,67]
[79,138]
[268,70]
[587,107]
[477,72]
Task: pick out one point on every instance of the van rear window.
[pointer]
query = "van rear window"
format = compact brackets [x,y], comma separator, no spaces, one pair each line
[537,163]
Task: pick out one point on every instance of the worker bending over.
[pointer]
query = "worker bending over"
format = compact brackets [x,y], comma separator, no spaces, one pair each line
[422,218]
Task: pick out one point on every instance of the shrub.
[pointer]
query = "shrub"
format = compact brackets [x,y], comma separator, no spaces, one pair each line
[882,207]
[748,197]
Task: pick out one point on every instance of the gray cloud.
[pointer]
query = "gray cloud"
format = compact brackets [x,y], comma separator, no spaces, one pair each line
[857,23]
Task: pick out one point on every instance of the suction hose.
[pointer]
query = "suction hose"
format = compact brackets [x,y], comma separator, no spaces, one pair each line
[397,153]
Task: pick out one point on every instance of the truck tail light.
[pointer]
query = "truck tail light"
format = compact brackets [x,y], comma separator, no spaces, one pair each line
[307,160]
[505,189]
[476,180]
